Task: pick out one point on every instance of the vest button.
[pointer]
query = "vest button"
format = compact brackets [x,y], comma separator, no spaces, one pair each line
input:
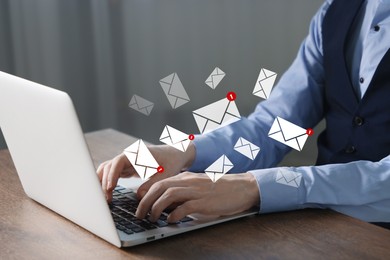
[350,149]
[361,80]
[358,121]
[377,28]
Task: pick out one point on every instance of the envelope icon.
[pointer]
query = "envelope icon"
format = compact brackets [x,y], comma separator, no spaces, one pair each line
[175,138]
[141,105]
[218,169]
[215,115]
[215,78]
[141,159]
[264,83]
[289,178]
[287,133]
[246,148]
[174,90]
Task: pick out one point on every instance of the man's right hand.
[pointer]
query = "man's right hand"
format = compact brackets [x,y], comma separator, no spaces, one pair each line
[173,161]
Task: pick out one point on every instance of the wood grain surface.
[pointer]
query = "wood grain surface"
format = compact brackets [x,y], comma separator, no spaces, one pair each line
[31,231]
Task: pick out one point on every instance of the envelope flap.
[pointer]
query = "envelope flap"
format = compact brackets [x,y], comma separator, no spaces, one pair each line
[221,165]
[177,88]
[165,133]
[218,71]
[242,142]
[215,111]
[168,79]
[239,142]
[133,148]
[267,73]
[141,102]
[233,109]
[288,176]
[217,166]
[290,130]
[176,135]
[145,157]
[245,142]
[251,145]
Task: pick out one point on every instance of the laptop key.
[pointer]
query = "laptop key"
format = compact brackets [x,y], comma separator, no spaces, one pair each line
[122,228]
[147,226]
[138,229]
[123,222]
[124,191]
[117,219]
[130,225]
[137,222]
[163,217]
[128,231]
[186,219]
[161,223]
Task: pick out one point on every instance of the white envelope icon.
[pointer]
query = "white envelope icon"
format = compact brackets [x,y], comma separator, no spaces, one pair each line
[246,148]
[215,115]
[264,83]
[174,90]
[215,78]
[141,105]
[141,159]
[175,138]
[287,133]
[219,168]
[289,178]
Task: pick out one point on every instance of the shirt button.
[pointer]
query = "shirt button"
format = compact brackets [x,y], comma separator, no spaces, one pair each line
[350,149]
[361,80]
[358,121]
[377,28]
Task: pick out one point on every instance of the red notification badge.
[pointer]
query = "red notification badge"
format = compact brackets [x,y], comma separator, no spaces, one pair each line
[160,169]
[309,132]
[231,96]
[191,137]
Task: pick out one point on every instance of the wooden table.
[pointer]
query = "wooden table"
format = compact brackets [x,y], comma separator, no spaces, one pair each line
[31,231]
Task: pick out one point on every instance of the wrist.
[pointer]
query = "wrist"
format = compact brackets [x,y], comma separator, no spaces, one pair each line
[189,156]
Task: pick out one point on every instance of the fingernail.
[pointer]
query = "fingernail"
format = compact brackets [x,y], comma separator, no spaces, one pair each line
[137,213]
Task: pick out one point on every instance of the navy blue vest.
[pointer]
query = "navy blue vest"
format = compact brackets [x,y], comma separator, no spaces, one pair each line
[357,129]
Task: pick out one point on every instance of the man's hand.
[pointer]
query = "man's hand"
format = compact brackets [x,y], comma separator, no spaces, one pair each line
[196,193]
[173,161]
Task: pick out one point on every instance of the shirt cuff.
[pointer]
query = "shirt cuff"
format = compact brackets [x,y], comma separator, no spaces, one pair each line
[280,189]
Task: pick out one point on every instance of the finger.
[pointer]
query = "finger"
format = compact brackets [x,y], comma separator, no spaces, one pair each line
[100,170]
[129,173]
[144,187]
[155,191]
[118,165]
[187,208]
[106,170]
[150,197]
[174,195]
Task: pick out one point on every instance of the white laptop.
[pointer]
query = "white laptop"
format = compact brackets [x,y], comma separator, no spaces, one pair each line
[48,148]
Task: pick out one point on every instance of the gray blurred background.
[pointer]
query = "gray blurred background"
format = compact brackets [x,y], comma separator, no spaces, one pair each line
[102,52]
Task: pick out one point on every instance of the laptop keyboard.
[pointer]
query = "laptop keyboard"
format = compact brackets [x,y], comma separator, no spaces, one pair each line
[123,208]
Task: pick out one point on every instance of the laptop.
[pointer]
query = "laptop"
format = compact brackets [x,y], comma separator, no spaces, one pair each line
[47,145]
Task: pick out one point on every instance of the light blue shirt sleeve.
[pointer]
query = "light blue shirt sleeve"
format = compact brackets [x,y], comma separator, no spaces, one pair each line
[359,189]
[298,98]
